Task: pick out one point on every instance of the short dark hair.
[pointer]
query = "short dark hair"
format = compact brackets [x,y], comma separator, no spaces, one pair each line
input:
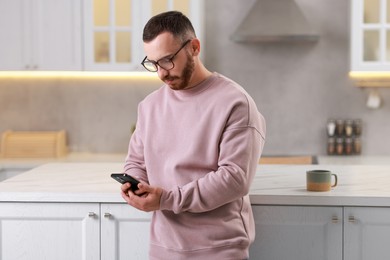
[172,21]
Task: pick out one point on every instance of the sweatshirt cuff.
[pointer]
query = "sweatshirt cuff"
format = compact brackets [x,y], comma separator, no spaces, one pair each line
[166,200]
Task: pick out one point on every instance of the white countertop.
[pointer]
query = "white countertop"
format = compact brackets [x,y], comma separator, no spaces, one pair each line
[120,158]
[64,182]
[354,159]
[359,185]
[69,158]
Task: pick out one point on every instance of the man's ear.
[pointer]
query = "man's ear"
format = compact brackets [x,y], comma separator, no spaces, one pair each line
[195,47]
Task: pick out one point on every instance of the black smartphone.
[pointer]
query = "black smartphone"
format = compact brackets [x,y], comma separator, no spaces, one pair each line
[124,178]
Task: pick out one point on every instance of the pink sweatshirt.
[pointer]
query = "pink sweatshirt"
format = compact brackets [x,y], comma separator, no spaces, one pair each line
[202,146]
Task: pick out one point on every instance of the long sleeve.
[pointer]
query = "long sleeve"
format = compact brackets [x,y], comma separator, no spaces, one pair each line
[240,150]
[135,160]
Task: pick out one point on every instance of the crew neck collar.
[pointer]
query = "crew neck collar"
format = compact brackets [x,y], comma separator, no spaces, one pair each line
[201,86]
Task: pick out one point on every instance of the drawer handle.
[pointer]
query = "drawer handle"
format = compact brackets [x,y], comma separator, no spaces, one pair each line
[335,219]
[351,219]
[107,215]
[91,214]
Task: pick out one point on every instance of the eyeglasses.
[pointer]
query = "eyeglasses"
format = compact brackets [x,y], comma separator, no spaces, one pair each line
[164,63]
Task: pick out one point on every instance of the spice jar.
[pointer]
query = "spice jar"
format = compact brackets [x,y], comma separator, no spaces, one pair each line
[357,145]
[340,146]
[331,127]
[339,127]
[348,146]
[348,127]
[357,127]
[331,146]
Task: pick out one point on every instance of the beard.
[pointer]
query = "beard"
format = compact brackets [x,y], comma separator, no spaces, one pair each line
[185,76]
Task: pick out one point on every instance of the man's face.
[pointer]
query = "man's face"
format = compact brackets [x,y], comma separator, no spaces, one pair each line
[164,46]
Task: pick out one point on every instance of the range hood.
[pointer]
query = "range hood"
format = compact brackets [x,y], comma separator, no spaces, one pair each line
[275,21]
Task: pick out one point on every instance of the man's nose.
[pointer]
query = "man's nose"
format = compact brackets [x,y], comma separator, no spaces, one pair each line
[162,72]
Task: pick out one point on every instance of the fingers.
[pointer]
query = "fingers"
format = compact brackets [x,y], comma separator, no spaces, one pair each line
[143,189]
[125,187]
[146,198]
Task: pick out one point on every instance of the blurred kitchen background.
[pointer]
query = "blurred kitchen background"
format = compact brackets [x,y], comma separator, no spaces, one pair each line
[298,87]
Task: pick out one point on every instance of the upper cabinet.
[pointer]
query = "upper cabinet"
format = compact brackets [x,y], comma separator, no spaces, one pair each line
[113,30]
[40,35]
[370,35]
[74,35]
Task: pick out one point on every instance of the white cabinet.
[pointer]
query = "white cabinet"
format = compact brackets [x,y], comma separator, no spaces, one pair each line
[35,231]
[124,232]
[370,35]
[297,233]
[40,35]
[367,233]
[47,34]
[326,233]
[113,30]
[63,231]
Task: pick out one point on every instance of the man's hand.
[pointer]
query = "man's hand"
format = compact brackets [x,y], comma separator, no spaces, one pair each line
[146,198]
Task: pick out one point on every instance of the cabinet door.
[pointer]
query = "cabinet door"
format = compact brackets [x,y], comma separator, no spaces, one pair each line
[113,30]
[14,17]
[124,232]
[297,233]
[367,233]
[40,35]
[370,35]
[112,34]
[60,231]
[56,36]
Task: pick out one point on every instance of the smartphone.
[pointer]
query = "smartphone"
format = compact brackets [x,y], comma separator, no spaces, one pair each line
[124,178]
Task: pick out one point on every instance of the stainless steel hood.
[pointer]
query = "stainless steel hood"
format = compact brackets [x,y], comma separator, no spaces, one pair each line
[275,21]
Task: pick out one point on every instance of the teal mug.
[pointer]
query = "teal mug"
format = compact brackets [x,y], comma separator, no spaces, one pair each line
[320,180]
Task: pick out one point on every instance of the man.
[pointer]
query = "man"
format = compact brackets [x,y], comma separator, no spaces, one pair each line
[195,150]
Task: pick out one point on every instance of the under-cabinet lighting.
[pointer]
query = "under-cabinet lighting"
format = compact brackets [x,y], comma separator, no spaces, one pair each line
[369,74]
[78,74]
[370,78]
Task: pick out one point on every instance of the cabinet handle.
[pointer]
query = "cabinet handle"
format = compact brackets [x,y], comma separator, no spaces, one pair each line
[107,215]
[91,214]
[335,219]
[351,219]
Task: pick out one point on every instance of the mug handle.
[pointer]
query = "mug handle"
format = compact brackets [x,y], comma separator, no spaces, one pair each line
[335,180]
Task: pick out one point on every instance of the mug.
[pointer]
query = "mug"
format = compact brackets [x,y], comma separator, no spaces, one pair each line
[320,180]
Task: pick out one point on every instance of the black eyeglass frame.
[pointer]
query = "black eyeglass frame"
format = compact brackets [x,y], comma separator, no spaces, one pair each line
[156,64]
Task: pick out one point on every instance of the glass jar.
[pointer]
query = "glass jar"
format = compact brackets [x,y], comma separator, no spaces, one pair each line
[357,127]
[331,150]
[331,127]
[348,146]
[340,146]
[357,145]
[348,127]
[339,127]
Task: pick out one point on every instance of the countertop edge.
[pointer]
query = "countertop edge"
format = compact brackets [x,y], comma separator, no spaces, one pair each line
[340,201]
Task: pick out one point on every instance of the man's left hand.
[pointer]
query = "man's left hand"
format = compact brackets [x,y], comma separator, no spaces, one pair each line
[146,198]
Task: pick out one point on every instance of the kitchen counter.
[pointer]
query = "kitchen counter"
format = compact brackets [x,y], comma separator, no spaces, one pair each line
[69,158]
[354,160]
[120,157]
[359,185]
